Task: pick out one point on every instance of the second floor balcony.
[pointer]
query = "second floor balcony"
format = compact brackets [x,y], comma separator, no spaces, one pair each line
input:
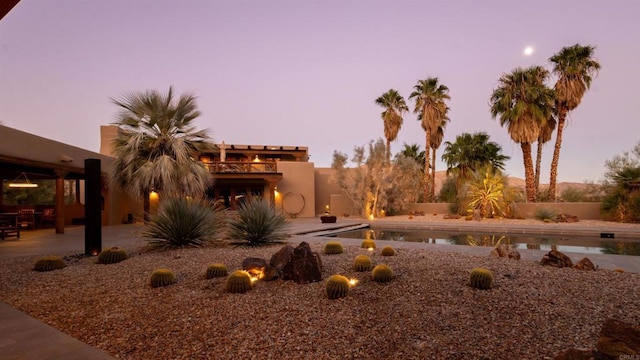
[242,167]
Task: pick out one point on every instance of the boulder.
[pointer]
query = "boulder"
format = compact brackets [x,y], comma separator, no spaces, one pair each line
[585,264]
[618,338]
[451,216]
[505,250]
[304,265]
[556,259]
[259,267]
[280,259]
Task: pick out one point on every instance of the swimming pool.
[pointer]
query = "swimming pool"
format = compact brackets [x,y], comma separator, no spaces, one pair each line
[570,244]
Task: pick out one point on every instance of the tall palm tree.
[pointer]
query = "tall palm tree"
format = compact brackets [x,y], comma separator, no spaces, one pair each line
[575,67]
[523,101]
[413,151]
[430,97]
[472,152]
[546,132]
[157,146]
[394,106]
[437,136]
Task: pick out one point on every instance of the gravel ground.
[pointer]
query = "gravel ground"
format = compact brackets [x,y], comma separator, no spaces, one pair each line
[428,311]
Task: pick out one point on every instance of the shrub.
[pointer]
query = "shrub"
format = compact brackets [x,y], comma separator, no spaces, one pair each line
[333,247]
[545,214]
[368,244]
[183,222]
[112,255]
[162,277]
[382,273]
[336,287]
[48,263]
[481,278]
[239,282]
[258,223]
[388,251]
[216,270]
[362,263]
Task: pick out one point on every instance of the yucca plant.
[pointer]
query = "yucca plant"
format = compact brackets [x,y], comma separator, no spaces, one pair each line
[185,222]
[258,223]
[545,214]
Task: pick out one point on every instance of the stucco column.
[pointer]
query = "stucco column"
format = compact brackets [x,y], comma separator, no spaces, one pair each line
[60,201]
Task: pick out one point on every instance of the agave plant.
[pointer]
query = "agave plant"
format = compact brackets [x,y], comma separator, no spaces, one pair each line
[258,223]
[185,222]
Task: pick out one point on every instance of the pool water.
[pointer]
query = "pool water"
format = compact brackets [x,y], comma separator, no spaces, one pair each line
[576,244]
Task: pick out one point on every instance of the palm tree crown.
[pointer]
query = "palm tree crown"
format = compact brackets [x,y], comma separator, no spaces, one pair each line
[157,146]
[472,152]
[430,97]
[394,106]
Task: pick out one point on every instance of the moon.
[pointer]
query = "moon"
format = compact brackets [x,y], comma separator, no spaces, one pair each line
[528,50]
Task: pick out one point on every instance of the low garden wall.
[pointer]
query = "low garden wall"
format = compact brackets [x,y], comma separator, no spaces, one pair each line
[584,211]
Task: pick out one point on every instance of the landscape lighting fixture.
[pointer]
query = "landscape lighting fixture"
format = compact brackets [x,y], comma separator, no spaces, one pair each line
[24,184]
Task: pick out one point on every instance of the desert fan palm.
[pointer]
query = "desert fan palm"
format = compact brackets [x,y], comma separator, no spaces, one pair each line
[430,97]
[523,102]
[575,67]
[394,106]
[157,145]
[437,136]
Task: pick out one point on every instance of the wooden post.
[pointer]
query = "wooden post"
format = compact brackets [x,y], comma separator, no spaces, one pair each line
[92,207]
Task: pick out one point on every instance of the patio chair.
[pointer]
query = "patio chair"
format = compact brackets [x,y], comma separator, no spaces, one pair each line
[48,217]
[27,218]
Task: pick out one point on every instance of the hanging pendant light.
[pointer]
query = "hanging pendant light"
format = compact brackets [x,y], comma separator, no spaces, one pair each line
[22,184]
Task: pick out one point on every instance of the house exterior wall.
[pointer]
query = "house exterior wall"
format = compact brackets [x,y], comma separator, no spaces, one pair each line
[296,190]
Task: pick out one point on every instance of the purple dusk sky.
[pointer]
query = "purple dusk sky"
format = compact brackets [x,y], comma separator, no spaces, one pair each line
[307,72]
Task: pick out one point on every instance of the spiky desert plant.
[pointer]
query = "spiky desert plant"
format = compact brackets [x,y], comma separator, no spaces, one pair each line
[162,277]
[48,263]
[333,247]
[336,287]
[545,214]
[239,282]
[216,270]
[185,222]
[382,273]
[368,244]
[258,223]
[388,251]
[112,255]
[481,278]
[362,263]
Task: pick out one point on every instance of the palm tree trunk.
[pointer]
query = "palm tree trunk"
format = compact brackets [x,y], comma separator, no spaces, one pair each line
[528,172]
[433,175]
[562,114]
[538,162]
[427,173]
[388,150]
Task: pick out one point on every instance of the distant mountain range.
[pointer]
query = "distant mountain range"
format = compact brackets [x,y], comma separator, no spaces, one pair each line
[515,182]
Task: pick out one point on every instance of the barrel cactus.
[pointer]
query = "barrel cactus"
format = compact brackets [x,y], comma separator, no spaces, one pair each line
[239,282]
[333,247]
[112,255]
[48,263]
[382,273]
[388,251]
[362,263]
[337,286]
[216,270]
[162,277]
[481,278]
[368,244]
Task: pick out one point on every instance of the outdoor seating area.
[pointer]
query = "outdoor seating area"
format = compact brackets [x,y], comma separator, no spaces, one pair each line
[11,223]
[9,228]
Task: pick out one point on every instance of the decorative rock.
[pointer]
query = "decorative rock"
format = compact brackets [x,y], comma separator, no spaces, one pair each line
[505,250]
[256,266]
[556,258]
[280,259]
[585,264]
[618,338]
[304,265]
[566,218]
[451,216]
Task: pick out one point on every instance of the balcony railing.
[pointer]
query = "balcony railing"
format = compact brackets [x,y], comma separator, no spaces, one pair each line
[242,167]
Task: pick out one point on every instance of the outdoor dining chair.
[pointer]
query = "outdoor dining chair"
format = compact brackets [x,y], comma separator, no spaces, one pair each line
[27,218]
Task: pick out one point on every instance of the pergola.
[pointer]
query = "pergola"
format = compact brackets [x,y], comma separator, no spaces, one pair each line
[42,158]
